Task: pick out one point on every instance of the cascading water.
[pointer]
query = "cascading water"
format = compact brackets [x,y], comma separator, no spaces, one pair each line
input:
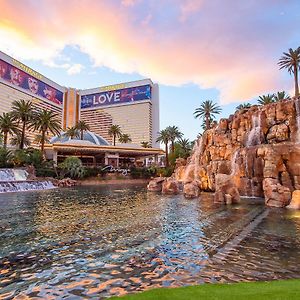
[254,137]
[297,106]
[234,164]
[15,180]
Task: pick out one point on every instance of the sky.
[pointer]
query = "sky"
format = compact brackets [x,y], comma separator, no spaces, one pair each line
[196,50]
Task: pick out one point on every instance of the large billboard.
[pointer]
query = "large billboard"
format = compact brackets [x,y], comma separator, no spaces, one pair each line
[29,82]
[126,95]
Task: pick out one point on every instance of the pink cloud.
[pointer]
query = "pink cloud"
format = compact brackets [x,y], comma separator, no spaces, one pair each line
[233,48]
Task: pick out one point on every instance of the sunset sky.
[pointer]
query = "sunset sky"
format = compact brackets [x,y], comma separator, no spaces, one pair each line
[223,50]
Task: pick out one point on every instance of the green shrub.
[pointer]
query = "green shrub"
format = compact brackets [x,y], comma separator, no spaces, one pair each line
[142,172]
[45,172]
[5,158]
[72,167]
[166,172]
[30,156]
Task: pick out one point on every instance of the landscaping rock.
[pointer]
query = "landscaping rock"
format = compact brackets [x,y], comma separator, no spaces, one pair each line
[170,186]
[295,202]
[191,190]
[155,185]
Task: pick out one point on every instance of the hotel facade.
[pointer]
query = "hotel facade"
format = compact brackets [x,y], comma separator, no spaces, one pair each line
[134,106]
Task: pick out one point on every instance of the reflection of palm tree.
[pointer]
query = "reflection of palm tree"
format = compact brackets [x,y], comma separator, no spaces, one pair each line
[281,96]
[206,111]
[82,126]
[72,132]
[115,131]
[291,62]
[125,138]
[174,134]
[46,122]
[266,99]
[145,144]
[163,137]
[22,111]
[8,126]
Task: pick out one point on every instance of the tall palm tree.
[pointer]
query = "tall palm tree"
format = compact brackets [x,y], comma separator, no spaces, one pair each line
[174,134]
[82,126]
[8,126]
[22,111]
[185,146]
[115,131]
[266,99]
[281,96]
[46,122]
[291,61]
[163,137]
[206,111]
[72,132]
[145,144]
[243,106]
[125,138]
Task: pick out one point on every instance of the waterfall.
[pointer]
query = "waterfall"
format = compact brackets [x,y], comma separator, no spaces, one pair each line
[15,180]
[234,164]
[297,106]
[254,136]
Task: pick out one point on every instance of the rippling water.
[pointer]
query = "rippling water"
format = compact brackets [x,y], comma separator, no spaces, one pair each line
[91,242]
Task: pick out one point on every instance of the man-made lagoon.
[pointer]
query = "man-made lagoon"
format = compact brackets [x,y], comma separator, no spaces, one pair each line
[91,242]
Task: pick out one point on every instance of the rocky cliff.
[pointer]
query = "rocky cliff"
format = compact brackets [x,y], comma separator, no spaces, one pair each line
[255,152]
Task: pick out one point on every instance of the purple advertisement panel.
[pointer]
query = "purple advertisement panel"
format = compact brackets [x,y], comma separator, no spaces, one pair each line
[20,78]
[120,96]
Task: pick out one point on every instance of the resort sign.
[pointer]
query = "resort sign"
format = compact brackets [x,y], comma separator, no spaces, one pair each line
[115,97]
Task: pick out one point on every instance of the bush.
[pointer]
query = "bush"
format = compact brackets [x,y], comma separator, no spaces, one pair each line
[45,172]
[30,156]
[142,172]
[72,167]
[166,172]
[5,158]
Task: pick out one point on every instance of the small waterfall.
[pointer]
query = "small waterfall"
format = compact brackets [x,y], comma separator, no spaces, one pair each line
[15,180]
[254,136]
[297,106]
[234,164]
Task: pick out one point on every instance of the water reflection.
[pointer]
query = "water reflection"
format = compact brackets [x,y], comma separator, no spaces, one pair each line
[93,242]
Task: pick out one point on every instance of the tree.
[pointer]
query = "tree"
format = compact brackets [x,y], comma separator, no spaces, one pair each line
[266,99]
[281,96]
[16,140]
[82,126]
[115,131]
[243,106]
[72,132]
[207,112]
[174,134]
[125,138]
[163,137]
[38,139]
[8,126]
[185,147]
[145,144]
[46,122]
[291,61]
[22,111]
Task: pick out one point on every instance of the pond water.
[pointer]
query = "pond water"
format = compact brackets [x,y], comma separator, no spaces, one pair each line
[94,242]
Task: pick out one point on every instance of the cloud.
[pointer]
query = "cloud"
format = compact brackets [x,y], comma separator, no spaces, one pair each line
[75,69]
[233,48]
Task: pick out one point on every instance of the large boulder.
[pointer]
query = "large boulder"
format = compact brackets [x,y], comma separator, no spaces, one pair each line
[191,190]
[226,190]
[155,185]
[170,186]
[295,202]
[278,133]
[276,195]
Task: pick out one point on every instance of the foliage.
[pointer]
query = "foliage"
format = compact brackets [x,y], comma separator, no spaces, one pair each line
[45,172]
[174,134]
[291,61]
[266,99]
[207,112]
[30,156]
[16,140]
[72,132]
[144,173]
[166,172]
[125,138]
[8,126]
[243,106]
[82,126]
[72,166]
[164,137]
[5,158]
[145,144]
[281,96]
[115,131]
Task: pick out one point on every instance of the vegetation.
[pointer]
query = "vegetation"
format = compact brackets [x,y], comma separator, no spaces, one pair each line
[174,134]
[115,131]
[281,96]
[266,99]
[243,106]
[125,138]
[145,144]
[22,112]
[5,158]
[291,61]
[82,126]
[164,137]
[16,140]
[207,112]
[72,132]
[8,126]
[72,166]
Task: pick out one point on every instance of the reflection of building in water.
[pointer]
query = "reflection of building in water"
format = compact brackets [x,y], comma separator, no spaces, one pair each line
[134,106]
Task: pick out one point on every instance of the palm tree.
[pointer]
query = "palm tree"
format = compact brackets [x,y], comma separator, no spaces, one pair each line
[206,111]
[174,134]
[22,111]
[243,106]
[266,99]
[281,96]
[185,146]
[16,140]
[145,144]
[115,131]
[125,138]
[291,62]
[72,132]
[163,137]
[82,126]
[39,138]
[8,126]
[46,122]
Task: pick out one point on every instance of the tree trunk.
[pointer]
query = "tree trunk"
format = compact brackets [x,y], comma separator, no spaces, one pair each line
[296,81]
[173,147]
[43,142]
[5,140]
[207,122]
[167,156]
[23,135]
[114,140]
[81,136]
